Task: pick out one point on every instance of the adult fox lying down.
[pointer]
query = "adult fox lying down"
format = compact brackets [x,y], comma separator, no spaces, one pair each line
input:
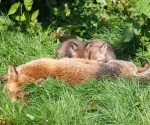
[71,70]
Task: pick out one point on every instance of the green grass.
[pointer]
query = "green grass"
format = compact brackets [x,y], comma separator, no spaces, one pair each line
[102,102]
[98,102]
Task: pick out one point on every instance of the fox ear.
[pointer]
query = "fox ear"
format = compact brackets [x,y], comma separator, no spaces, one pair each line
[3,78]
[89,46]
[73,46]
[12,73]
[103,48]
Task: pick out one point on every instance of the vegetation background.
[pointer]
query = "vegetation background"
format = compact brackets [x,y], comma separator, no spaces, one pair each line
[31,29]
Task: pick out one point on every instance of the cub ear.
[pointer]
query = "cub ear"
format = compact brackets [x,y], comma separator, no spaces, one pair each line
[103,48]
[89,46]
[73,46]
[12,73]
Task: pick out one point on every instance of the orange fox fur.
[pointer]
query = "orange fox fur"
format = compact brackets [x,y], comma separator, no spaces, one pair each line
[71,70]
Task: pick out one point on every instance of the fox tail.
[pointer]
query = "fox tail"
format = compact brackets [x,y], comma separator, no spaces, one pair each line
[144,76]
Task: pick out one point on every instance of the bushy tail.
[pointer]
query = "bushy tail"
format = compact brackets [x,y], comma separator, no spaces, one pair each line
[144,76]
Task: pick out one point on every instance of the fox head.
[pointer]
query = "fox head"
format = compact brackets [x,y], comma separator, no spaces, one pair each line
[97,52]
[14,83]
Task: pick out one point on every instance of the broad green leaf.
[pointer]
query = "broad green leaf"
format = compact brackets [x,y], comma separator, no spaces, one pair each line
[34,15]
[28,4]
[143,7]
[145,31]
[13,8]
[128,34]
[19,18]
[146,38]
[136,28]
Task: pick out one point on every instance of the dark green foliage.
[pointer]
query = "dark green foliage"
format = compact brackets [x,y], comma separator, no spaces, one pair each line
[88,19]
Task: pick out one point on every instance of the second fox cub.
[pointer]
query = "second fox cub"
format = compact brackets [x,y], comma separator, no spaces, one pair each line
[100,50]
[71,48]
[94,50]
[71,70]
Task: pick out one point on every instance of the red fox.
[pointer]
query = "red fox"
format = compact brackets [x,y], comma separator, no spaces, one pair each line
[71,70]
[71,48]
[100,50]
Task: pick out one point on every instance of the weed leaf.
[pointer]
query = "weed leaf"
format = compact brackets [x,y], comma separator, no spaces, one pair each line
[128,34]
[19,18]
[28,4]
[13,8]
[34,15]
[143,7]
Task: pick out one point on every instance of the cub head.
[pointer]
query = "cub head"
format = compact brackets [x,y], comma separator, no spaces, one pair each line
[72,48]
[97,52]
[72,51]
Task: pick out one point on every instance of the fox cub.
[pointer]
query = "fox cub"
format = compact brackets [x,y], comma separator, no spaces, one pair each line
[71,70]
[94,50]
[100,50]
[71,48]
